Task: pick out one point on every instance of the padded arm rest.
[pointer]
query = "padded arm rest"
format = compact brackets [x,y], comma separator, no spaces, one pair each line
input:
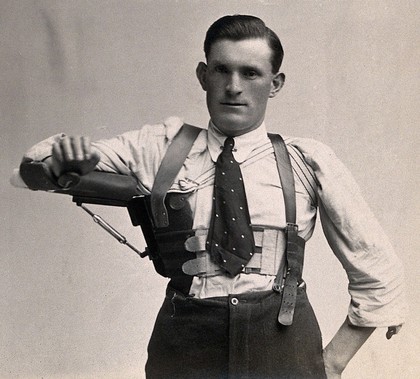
[97,187]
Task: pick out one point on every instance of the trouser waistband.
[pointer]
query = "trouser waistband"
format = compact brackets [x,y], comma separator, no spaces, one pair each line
[232,337]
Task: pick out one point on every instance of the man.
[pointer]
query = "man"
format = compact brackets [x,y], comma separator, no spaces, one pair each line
[225,314]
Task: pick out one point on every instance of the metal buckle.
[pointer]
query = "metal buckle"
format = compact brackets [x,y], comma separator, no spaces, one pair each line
[291,227]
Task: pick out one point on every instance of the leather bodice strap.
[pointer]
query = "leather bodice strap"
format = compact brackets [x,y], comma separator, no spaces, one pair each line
[171,164]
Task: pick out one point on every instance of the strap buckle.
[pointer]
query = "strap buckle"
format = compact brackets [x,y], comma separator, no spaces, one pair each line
[292,227]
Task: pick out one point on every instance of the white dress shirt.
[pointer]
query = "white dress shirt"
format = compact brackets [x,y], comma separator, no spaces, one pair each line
[375,274]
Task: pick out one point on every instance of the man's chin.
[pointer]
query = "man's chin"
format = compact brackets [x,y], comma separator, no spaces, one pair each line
[232,127]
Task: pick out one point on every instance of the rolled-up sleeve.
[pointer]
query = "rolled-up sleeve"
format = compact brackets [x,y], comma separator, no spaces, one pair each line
[375,273]
[42,150]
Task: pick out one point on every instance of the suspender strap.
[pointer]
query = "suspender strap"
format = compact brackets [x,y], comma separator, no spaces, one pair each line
[287,179]
[171,165]
[295,245]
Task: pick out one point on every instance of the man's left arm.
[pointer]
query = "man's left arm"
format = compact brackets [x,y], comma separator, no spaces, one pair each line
[345,344]
[376,276]
[342,348]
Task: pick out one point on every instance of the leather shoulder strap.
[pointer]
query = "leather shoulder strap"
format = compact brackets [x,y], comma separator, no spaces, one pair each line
[287,180]
[170,166]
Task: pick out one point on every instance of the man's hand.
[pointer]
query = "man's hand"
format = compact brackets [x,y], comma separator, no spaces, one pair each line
[392,330]
[73,154]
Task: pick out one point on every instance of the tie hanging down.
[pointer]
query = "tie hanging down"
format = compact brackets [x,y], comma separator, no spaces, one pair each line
[230,240]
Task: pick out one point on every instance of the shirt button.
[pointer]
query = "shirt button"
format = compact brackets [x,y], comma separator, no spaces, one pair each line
[234,301]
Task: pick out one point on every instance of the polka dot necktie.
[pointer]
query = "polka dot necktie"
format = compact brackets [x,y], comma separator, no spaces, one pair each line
[230,240]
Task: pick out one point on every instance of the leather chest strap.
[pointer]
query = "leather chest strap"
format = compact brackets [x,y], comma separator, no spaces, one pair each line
[169,168]
[295,245]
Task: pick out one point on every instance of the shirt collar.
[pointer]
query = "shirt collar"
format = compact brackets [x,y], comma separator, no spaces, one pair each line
[244,144]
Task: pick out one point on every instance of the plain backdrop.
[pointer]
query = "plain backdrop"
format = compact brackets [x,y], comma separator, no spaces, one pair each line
[76,304]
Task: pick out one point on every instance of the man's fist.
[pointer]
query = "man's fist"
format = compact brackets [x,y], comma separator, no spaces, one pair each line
[73,154]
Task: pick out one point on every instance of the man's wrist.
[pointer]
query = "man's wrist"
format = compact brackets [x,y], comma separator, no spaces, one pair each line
[333,363]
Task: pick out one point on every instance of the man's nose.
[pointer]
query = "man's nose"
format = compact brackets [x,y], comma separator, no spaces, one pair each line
[234,84]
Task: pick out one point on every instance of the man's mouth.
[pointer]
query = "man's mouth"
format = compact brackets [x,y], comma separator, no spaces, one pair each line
[233,104]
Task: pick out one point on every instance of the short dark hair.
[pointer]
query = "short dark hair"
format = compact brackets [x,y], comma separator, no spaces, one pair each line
[240,27]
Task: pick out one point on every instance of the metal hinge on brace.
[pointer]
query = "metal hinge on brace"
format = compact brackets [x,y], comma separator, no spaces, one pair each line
[112,231]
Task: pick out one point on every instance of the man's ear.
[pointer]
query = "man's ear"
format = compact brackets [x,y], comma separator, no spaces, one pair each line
[201,72]
[277,83]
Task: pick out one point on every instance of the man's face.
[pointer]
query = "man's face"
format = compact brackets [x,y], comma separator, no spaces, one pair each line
[238,79]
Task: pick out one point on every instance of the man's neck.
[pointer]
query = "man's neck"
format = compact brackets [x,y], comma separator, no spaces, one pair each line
[244,143]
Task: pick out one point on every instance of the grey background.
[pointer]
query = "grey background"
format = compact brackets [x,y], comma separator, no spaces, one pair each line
[76,304]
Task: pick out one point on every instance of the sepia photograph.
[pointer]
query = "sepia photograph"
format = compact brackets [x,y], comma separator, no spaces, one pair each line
[209,189]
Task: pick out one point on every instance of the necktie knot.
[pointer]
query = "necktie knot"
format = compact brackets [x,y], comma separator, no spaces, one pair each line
[229,144]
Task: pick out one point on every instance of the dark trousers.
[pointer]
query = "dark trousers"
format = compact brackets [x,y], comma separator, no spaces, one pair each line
[235,337]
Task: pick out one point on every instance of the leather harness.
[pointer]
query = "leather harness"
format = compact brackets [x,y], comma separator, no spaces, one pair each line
[174,247]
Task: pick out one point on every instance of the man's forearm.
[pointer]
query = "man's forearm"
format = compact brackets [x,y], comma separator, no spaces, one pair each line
[344,345]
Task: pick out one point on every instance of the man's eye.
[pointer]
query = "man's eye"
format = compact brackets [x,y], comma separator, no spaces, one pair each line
[220,69]
[251,74]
